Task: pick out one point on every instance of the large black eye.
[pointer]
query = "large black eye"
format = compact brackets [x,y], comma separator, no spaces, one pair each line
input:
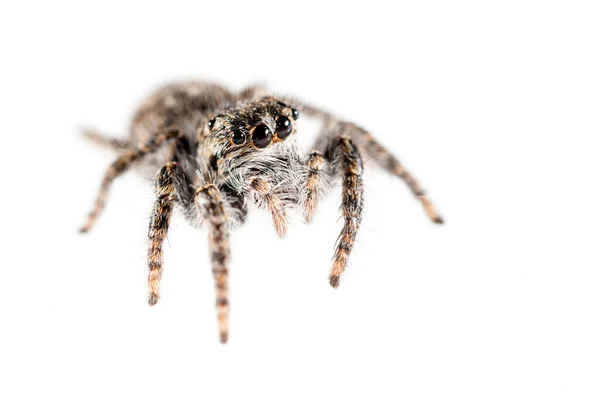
[283,127]
[238,137]
[262,136]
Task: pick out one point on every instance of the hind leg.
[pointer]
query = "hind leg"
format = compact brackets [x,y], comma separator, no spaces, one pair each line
[118,167]
[106,141]
[389,162]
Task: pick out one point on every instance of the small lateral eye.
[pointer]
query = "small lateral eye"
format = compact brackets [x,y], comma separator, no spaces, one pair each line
[238,137]
[295,114]
[283,127]
[211,122]
[262,136]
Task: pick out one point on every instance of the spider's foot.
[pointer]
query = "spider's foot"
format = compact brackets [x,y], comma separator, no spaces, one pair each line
[338,267]
[153,283]
[334,281]
[430,210]
[152,299]
[84,229]
[89,223]
[223,336]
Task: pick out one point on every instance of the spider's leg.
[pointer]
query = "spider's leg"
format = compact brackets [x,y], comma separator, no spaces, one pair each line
[106,141]
[165,187]
[118,167]
[210,204]
[262,193]
[390,163]
[368,145]
[314,185]
[352,203]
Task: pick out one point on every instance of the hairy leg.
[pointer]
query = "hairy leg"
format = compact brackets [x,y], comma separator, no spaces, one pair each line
[368,145]
[118,167]
[159,225]
[264,197]
[315,184]
[210,204]
[347,154]
[390,163]
[116,144]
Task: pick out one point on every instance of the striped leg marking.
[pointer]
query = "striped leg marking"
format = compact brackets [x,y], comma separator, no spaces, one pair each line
[210,204]
[352,206]
[314,185]
[118,167]
[159,226]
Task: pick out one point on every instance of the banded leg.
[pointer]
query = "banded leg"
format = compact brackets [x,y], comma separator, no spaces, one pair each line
[264,197]
[118,167]
[352,205]
[106,141]
[210,204]
[382,156]
[389,162]
[314,184]
[159,225]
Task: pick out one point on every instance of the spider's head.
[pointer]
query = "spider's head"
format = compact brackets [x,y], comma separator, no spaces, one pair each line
[253,125]
[250,138]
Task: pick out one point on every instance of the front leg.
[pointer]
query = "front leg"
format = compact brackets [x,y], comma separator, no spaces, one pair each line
[210,204]
[159,225]
[343,156]
[352,203]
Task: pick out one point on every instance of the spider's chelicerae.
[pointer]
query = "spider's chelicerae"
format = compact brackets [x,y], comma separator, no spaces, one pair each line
[211,151]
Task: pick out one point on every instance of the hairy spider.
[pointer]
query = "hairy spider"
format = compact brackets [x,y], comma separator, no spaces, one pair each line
[216,150]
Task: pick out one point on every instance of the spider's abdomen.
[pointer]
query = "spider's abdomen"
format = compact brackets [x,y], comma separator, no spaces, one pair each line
[178,105]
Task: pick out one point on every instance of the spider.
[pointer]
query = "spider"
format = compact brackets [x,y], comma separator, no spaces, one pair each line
[217,150]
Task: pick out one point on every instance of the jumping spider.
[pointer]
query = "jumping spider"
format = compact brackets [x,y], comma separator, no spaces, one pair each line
[216,150]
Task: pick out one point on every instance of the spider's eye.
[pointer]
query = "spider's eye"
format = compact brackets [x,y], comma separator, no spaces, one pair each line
[283,127]
[295,114]
[262,136]
[211,122]
[238,137]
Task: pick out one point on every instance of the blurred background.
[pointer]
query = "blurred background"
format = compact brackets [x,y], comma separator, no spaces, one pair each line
[494,108]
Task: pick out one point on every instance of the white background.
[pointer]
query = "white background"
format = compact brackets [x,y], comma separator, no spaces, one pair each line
[495,108]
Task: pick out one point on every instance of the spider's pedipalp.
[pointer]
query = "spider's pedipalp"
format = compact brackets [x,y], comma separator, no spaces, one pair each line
[210,203]
[165,187]
[264,197]
[314,184]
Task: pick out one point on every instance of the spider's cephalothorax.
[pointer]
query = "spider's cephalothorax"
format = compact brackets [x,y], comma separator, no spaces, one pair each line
[251,151]
[211,151]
